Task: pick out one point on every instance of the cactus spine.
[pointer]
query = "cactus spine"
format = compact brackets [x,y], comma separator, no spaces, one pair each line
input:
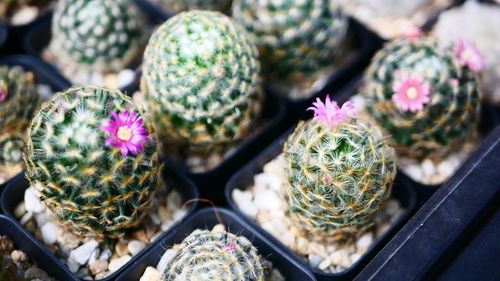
[96,35]
[337,174]
[200,80]
[423,96]
[94,160]
[206,255]
[296,39]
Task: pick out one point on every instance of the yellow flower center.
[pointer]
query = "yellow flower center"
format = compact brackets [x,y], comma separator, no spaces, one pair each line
[124,133]
[412,93]
[467,54]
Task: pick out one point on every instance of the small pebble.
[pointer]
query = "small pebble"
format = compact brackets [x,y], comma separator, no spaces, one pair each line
[151,274]
[121,249]
[31,201]
[18,255]
[314,260]
[125,77]
[82,254]
[428,167]
[115,264]
[219,228]
[365,241]
[135,246]
[49,233]
[20,210]
[324,264]
[98,266]
[105,255]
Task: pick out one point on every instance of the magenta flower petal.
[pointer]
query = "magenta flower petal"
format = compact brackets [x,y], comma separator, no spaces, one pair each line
[411,93]
[468,55]
[329,113]
[125,132]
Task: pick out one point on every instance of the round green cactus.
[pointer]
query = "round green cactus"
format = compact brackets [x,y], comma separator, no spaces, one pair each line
[94,160]
[177,6]
[100,35]
[425,96]
[206,255]
[18,99]
[338,172]
[200,80]
[296,39]
[11,147]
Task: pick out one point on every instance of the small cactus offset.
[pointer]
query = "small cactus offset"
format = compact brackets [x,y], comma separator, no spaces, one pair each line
[94,161]
[11,147]
[296,39]
[200,81]
[97,35]
[18,99]
[339,171]
[425,96]
[209,255]
[177,6]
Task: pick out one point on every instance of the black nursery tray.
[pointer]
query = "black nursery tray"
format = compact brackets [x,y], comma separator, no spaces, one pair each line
[403,191]
[37,254]
[448,238]
[14,194]
[43,74]
[207,219]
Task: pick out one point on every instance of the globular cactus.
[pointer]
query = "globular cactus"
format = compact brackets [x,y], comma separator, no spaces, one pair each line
[177,6]
[339,170]
[11,147]
[18,99]
[200,80]
[206,255]
[425,96]
[93,159]
[96,35]
[296,39]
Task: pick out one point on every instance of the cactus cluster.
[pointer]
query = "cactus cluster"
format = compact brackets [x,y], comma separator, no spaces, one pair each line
[425,96]
[200,81]
[206,255]
[93,159]
[296,39]
[177,6]
[96,35]
[339,170]
[18,100]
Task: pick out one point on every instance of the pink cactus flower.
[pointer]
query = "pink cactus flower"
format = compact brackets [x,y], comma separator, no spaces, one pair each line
[125,132]
[414,33]
[411,93]
[230,246]
[330,114]
[3,95]
[468,55]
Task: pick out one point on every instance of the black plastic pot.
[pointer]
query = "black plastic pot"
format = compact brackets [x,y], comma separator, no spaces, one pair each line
[154,10]
[207,219]
[4,33]
[403,191]
[37,254]
[442,234]
[43,75]
[14,194]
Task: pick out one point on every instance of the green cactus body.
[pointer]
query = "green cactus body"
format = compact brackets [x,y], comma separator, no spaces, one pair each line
[11,147]
[95,178]
[336,178]
[177,6]
[422,96]
[18,99]
[97,35]
[296,40]
[200,80]
[205,255]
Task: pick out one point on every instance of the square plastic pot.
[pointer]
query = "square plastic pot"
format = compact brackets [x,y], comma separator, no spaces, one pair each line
[207,219]
[14,194]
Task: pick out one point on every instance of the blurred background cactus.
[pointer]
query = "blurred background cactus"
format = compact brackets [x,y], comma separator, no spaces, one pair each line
[297,40]
[200,81]
[93,159]
[18,101]
[95,36]
[339,171]
[177,6]
[424,96]
[215,255]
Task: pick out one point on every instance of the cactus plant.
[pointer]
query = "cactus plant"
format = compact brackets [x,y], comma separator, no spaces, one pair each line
[200,81]
[11,147]
[177,6]
[210,255]
[296,39]
[425,96]
[339,170]
[93,159]
[96,35]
